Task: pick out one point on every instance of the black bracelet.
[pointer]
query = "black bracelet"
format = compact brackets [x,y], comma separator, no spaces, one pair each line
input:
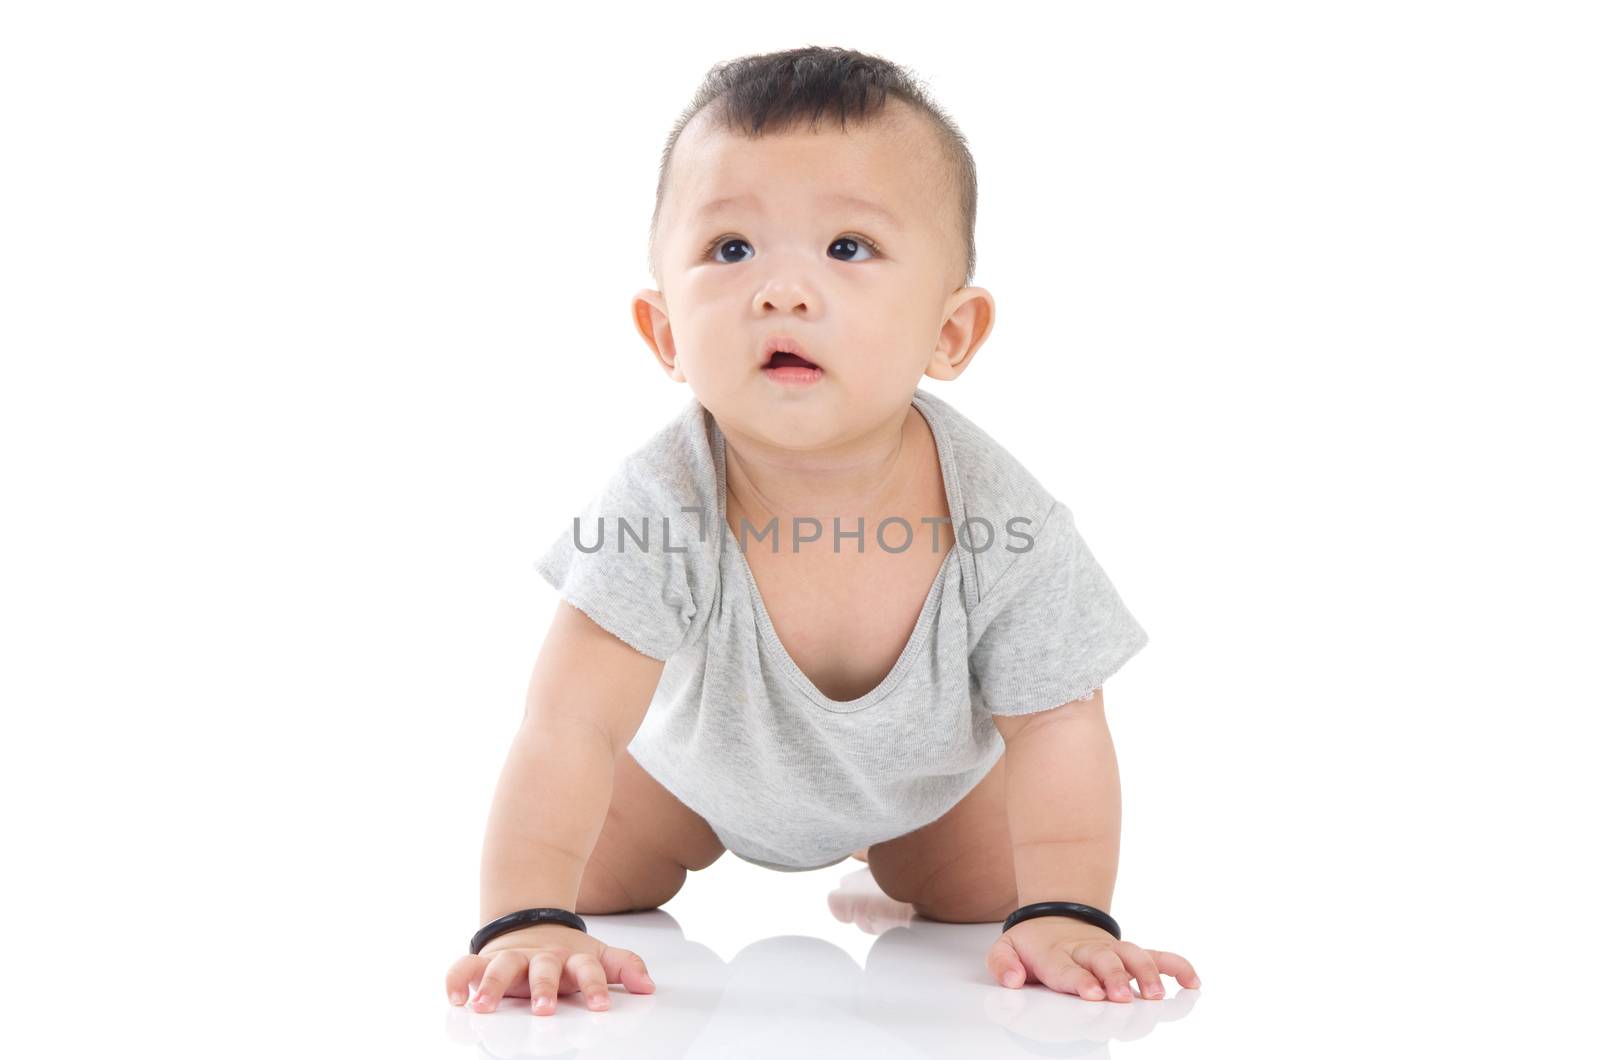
[1086,913]
[522,918]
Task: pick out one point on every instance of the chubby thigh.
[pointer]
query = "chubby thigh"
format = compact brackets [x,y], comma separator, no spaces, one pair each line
[648,845]
[958,868]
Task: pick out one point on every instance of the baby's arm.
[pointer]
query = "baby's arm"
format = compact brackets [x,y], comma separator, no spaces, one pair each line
[587,697]
[1064,809]
[1063,803]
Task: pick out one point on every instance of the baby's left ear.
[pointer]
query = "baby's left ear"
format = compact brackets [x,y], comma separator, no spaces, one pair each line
[968,320]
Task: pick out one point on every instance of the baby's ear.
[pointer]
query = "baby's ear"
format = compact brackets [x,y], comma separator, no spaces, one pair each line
[969,318]
[649,311]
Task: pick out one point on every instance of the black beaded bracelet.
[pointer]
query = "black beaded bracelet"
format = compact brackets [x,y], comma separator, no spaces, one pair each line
[523,918]
[1077,911]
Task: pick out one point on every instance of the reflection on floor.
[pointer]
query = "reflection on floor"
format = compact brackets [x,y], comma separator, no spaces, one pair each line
[749,962]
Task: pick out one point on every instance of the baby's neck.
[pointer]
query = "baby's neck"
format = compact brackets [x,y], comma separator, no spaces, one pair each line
[873,476]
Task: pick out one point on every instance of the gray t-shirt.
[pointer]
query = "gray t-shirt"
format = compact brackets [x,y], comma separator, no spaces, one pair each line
[1020,618]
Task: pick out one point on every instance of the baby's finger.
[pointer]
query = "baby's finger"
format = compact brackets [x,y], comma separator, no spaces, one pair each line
[591,979]
[1005,964]
[1064,975]
[1143,966]
[505,968]
[460,976]
[1177,967]
[1105,963]
[626,967]
[544,981]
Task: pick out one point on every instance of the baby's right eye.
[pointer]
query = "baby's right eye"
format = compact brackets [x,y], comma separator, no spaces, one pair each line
[719,243]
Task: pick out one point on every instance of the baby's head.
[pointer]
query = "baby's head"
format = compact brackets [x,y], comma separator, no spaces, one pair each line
[816,194]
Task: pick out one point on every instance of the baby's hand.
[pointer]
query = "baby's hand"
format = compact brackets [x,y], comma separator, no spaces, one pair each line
[541,961]
[1073,957]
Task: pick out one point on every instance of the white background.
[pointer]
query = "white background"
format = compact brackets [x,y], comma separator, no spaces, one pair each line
[314,325]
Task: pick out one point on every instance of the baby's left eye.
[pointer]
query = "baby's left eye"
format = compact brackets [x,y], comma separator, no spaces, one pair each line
[855,243]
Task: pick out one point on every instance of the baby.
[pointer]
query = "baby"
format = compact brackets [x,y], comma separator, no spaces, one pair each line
[906,666]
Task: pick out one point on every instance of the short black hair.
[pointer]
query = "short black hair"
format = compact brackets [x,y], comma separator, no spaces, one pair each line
[776,91]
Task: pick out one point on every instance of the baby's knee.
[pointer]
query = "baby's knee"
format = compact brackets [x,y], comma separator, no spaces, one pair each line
[644,882]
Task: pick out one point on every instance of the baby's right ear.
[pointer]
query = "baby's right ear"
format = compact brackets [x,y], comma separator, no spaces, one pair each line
[649,310]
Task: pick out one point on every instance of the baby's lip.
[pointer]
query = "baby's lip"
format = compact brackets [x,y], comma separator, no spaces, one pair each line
[788,343]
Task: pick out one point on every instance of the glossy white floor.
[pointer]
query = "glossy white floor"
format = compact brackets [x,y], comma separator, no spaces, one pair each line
[818,963]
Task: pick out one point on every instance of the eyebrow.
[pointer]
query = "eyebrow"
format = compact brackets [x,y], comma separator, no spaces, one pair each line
[867,206]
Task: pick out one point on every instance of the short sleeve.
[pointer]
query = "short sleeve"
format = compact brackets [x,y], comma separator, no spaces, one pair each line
[634,562]
[1053,628]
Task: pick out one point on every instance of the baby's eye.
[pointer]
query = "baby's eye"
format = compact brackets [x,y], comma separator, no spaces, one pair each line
[852,243]
[855,243]
[711,251]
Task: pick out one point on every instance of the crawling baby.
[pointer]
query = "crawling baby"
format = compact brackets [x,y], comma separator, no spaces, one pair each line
[820,612]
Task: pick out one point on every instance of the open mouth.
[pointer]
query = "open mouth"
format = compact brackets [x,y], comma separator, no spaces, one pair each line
[787,364]
[785,359]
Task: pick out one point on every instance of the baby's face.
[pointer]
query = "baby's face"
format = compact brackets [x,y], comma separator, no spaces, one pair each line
[847,242]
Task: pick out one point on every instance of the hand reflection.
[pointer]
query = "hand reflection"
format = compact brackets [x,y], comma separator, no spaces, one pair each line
[924,991]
